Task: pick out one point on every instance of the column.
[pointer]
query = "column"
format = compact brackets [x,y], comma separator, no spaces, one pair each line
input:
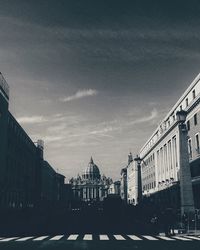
[187,200]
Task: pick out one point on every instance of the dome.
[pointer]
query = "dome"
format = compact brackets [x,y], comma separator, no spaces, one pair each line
[92,171]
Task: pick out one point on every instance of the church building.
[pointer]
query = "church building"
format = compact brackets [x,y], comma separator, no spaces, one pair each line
[91,186]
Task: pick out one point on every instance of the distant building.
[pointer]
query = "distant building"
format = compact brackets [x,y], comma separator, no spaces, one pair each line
[91,186]
[114,188]
[52,187]
[123,185]
[132,186]
[132,181]
[127,189]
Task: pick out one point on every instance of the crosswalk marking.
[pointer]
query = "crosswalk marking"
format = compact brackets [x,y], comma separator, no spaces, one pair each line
[40,238]
[165,238]
[148,237]
[119,237]
[134,237]
[181,238]
[192,237]
[87,237]
[72,237]
[9,239]
[90,237]
[24,238]
[57,237]
[103,237]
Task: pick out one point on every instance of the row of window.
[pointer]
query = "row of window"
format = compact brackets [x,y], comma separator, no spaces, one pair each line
[197,146]
[148,161]
[152,175]
[187,101]
[195,122]
[167,123]
[19,133]
[149,186]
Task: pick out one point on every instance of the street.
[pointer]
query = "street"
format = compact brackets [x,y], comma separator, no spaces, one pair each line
[99,242]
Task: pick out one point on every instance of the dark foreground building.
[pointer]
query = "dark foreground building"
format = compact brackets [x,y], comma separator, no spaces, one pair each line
[26,180]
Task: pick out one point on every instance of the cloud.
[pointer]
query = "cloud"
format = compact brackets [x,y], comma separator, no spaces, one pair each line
[80,94]
[52,138]
[153,115]
[31,119]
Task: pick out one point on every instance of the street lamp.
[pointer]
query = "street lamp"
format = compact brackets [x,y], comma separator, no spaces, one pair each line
[138,159]
[181,116]
[139,178]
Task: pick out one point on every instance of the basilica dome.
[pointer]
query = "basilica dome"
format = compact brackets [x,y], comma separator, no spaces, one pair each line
[92,171]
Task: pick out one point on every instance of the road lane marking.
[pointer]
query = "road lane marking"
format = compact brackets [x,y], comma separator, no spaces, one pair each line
[72,237]
[192,237]
[181,238]
[9,239]
[134,237]
[57,237]
[103,237]
[119,237]
[40,238]
[148,237]
[25,238]
[87,237]
[165,238]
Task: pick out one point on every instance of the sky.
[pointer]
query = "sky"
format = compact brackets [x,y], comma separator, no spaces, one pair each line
[94,78]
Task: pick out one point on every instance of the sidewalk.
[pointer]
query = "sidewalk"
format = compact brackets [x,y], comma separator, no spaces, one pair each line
[183,232]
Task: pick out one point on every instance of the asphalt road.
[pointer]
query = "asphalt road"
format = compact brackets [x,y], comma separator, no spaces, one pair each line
[95,242]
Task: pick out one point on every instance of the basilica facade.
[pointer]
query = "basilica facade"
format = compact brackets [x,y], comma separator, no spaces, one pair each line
[91,186]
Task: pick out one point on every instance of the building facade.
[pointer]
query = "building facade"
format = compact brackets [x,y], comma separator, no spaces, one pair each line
[91,186]
[123,185]
[132,186]
[114,188]
[162,155]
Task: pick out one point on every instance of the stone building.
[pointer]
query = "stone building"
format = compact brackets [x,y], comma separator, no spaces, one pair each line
[114,188]
[123,184]
[91,186]
[164,158]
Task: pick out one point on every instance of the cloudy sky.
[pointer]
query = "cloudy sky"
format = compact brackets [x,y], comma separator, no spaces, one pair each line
[96,77]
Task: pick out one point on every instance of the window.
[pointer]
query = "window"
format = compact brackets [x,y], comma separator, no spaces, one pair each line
[186,102]
[193,93]
[190,148]
[195,119]
[197,142]
[188,125]
[181,107]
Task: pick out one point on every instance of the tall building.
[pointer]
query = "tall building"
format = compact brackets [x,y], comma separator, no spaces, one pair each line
[164,155]
[132,185]
[4,102]
[19,159]
[25,178]
[91,186]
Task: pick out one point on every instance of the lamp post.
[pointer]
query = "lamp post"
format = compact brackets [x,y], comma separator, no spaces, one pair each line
[187,200]
[139,179]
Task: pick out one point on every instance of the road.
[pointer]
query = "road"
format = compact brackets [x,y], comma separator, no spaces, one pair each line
[100,242]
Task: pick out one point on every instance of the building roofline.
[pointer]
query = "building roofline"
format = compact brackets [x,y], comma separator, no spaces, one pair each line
[191,86]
